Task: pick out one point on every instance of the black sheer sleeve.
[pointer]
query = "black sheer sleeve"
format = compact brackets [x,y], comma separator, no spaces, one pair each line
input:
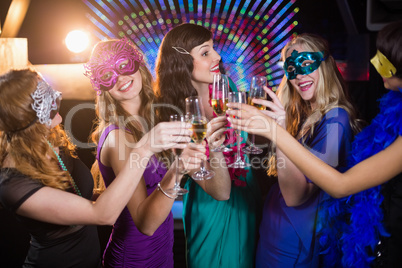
[15,188]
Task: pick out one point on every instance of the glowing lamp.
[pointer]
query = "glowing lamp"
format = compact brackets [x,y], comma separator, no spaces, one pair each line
[77,41]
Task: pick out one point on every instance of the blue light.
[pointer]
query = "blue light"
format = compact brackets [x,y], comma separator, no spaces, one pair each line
[249,38]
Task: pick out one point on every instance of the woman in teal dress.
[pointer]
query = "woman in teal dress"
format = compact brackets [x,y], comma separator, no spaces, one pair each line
[220,214]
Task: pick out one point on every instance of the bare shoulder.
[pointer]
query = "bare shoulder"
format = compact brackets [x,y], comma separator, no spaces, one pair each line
[118,136]
[116,146]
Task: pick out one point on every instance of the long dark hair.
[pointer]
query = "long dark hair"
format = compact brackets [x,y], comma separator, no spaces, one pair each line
[174,68]
[389,42]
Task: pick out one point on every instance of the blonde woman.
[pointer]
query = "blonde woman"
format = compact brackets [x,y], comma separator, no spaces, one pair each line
[371,233]
[313,107]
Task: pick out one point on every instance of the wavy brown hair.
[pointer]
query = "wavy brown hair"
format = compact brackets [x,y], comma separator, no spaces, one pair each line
[331,92]
[23,140]
[111,112]
[174,69]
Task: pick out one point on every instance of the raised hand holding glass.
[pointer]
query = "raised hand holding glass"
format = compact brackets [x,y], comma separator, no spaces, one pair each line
[238,97]
[256,92]
[219,100]
[196,116]
[180,169]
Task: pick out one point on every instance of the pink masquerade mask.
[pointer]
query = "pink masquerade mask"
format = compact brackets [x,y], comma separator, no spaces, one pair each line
[112,60]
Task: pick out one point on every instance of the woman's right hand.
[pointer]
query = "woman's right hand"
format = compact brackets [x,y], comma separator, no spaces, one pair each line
[166,135]
[216,131]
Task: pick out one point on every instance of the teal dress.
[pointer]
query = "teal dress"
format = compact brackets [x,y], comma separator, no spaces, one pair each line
[223,233]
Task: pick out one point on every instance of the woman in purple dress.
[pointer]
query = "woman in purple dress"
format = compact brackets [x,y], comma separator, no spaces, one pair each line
[143,234]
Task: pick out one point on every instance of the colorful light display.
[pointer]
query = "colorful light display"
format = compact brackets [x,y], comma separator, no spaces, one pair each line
[249,35]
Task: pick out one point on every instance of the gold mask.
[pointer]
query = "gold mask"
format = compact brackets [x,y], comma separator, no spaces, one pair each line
[383,66]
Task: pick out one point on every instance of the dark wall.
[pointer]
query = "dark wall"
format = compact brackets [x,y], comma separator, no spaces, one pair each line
[82,114]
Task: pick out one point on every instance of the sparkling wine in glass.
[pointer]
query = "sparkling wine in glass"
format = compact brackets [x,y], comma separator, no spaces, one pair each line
[256,92]
[219,100]
[196,116]
[238,97]
[180,170]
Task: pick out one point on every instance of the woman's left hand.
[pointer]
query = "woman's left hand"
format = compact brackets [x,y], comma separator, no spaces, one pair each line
[215,131]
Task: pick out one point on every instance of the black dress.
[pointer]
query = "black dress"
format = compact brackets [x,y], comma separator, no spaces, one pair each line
[52,245]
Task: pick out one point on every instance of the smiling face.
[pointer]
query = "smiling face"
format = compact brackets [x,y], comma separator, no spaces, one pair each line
[127,87]
[109,60]
[305,85]
[206,64]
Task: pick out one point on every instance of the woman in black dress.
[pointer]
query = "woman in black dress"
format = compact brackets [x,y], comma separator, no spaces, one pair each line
[46,187]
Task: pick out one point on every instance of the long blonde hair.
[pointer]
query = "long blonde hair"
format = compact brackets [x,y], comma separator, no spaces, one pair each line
[330,92]
[110,112]
[23,140]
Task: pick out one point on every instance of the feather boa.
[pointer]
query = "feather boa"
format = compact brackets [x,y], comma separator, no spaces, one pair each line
[349,228]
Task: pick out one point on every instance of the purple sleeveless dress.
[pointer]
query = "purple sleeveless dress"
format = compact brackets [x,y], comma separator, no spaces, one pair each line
[128,247]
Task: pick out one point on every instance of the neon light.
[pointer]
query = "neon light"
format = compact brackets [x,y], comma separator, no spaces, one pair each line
[249,38]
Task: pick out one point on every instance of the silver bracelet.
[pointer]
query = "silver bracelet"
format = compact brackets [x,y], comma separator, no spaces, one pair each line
[163,192]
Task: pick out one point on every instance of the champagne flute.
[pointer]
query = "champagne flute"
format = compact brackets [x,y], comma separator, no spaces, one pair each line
[256,92]
[177,152]
[238,97]
[196,116]
[219,100]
